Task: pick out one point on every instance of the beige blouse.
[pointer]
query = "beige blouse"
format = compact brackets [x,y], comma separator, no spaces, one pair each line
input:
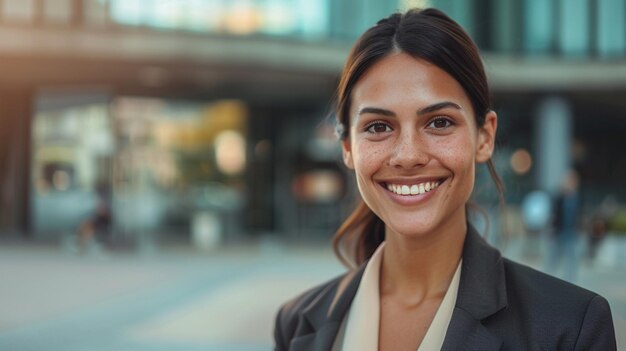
[359,329]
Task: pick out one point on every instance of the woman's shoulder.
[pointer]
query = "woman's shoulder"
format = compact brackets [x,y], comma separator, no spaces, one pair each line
[328,289]
[304,299]
[526,281]
[540,303]
[547,299]
[288,316]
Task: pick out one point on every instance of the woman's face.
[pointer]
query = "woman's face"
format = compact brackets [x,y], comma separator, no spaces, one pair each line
[413,145]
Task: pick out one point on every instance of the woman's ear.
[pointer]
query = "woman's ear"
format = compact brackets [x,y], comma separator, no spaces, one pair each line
[346,150]
[487,138]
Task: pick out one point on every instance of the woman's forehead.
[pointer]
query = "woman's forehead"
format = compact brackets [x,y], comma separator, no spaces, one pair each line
[402,79]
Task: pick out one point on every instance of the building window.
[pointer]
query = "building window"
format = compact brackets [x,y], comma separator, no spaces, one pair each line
[96,12]
[506,32]
[57,11]
[460,11]
[539,21]
[574,27]
[611,29]
[18,10]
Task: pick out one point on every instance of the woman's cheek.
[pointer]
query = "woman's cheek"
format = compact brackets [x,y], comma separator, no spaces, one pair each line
[367,155]
[459,152]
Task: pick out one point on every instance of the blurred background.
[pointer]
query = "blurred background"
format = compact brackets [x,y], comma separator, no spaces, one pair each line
[169,172]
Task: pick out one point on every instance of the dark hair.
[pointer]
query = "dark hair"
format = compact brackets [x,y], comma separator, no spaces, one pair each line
[428,35]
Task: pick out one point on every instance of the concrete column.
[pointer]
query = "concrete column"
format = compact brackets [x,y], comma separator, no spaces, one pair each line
[15,139]
[553,134]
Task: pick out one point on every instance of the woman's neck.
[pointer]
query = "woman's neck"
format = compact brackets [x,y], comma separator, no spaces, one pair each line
[416,268]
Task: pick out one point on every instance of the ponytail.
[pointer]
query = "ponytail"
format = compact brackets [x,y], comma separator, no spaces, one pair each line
[359,236]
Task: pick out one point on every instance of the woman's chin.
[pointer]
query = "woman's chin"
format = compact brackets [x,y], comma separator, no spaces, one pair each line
[411,229]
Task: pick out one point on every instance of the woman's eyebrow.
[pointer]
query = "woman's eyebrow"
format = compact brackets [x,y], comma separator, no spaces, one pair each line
[438,106]
[376,111]
[428,109]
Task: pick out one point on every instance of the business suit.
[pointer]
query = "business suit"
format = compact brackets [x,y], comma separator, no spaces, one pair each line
[501,305]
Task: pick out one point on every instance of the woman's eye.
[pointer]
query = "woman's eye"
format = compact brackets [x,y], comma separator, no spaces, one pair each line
[378,127]
[440,123]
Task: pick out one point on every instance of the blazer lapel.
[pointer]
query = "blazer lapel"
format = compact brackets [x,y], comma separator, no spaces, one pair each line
[482,293]
[467,333]
[322,319]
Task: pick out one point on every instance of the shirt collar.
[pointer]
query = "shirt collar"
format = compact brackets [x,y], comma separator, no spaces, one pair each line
[361,326]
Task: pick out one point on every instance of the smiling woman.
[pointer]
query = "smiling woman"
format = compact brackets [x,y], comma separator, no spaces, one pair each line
[412,126]
[415,120]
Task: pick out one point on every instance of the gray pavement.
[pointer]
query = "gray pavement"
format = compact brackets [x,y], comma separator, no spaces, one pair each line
[176,299]
[179,298]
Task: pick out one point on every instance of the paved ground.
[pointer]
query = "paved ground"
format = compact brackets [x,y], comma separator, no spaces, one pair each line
[178,298]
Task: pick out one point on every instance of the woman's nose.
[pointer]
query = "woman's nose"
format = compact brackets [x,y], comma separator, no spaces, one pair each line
[409,152]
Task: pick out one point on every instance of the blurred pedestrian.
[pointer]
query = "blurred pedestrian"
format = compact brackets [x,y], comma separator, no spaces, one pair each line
[536,211]
[96,228]
[600,226]
[415,121]
[564,241]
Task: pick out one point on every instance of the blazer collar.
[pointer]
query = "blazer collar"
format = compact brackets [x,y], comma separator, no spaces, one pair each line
[325,314]
[482,292]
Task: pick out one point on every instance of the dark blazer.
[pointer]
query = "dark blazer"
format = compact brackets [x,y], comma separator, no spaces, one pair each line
[501,305]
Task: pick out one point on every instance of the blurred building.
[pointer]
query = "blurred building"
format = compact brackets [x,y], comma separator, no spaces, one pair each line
[210,118]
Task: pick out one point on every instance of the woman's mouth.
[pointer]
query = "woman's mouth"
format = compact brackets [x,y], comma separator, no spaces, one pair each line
[412,189]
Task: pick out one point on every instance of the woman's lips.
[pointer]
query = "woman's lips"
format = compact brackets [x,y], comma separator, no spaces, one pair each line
[417,191]
[412,189]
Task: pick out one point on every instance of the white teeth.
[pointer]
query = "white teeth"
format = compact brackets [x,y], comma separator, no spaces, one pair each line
[415,189]
[406,190]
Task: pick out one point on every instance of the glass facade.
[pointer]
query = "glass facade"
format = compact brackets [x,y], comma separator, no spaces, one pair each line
[71,152]
[177,164]
[175,161]
[611,28]
[539,26]
[576,28]
[18,11]
[165,164]
[296,18]
[57,11]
